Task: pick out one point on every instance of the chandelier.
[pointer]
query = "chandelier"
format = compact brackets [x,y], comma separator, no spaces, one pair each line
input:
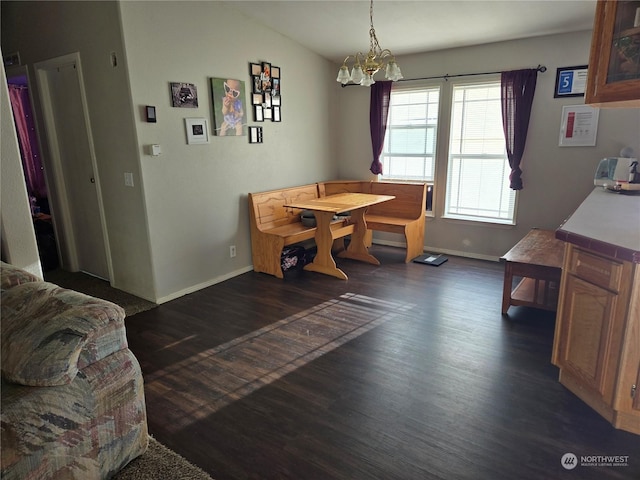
[364,68]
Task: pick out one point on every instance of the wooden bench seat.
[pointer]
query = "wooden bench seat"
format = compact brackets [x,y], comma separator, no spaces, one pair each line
[404,214]
[273,226]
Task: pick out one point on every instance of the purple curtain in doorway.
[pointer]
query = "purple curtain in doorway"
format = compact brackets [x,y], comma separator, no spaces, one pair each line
[518,88]
[25,127]
[378,114]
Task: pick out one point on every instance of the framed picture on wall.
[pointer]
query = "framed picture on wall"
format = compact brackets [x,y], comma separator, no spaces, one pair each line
[258,113]
[266,90]
[255,134]
[184,95]
[228,107]
[571,81]
[197,130]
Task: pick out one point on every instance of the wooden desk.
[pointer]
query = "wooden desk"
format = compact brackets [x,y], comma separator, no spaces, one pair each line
[324,209]
[538,259]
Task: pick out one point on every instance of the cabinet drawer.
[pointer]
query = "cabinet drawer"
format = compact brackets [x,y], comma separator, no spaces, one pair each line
[600,271]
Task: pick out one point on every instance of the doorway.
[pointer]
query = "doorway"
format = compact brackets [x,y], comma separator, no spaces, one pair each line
[24,119]
[74,186]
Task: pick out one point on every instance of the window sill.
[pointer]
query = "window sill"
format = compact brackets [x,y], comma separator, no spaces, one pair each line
[483,223]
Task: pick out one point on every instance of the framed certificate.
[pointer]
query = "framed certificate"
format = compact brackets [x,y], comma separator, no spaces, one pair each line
[579,126]
[571,81]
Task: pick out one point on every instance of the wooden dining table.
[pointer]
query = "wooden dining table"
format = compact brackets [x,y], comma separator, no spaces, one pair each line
[324,209]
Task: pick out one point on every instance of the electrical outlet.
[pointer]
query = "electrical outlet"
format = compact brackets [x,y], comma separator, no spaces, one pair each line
[232,251]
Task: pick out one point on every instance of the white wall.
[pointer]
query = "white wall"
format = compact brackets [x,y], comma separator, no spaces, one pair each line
[196,195]
[556,179]
[18,237]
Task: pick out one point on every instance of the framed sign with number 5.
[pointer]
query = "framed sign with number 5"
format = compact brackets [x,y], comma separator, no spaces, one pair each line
[571,81]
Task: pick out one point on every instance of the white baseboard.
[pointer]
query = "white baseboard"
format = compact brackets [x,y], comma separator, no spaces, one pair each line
[206,284]
[249,268]
[455,253]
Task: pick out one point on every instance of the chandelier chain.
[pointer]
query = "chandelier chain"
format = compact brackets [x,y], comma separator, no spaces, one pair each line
[374,46]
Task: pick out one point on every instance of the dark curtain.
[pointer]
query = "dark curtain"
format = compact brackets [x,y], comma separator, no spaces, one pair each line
[25,127]
[518,87]
[378,113]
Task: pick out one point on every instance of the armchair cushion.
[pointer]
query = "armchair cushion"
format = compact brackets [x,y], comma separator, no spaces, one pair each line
[11,276]
[49,333]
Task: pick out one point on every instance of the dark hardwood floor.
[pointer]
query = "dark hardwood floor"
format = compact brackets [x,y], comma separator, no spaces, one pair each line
[442,386]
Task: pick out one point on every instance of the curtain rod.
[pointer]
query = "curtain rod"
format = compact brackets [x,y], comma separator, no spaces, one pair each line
[539,68]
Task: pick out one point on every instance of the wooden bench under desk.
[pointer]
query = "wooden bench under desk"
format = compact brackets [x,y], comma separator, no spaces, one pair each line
[538,259]
[274,226]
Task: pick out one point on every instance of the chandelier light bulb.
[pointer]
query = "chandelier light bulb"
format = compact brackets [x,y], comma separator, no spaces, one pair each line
[343,75]
[357,75]
[368,81]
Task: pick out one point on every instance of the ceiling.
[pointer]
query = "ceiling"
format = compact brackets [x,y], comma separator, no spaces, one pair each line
[337,28]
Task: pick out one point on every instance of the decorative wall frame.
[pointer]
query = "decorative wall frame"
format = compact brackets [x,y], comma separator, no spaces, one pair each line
[228,107]
[255,134]
[197,130]
[184,95]
[571,81]
[266,91]
[578,126]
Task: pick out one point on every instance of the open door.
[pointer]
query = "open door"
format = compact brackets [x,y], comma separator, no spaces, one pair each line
[75,186]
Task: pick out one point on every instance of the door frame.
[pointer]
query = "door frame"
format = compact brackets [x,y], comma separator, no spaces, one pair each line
[63,221]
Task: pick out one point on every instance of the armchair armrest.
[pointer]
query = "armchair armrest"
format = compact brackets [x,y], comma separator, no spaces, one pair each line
[49,333]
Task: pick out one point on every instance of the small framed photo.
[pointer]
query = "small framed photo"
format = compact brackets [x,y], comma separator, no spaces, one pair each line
[268,113]
[275,100]
[265,77]
[256,83]
[256,99]
[255,69]
[275,86]
[276,114]
[184,95]
[197,130]
[571,81]
[151,114]
[275,72]
[267,99]
[258,113]
[255,134]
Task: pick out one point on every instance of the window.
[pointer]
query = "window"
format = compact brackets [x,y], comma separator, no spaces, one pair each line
[410,142]
[478,168]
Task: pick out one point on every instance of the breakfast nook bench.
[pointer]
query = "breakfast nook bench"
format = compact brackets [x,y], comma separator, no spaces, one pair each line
[274,225]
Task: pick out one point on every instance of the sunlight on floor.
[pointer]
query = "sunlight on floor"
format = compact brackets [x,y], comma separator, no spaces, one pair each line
[245,364]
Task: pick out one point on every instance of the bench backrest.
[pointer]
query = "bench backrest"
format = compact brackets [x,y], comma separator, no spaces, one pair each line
[267,209]
[343,186]
[409,202]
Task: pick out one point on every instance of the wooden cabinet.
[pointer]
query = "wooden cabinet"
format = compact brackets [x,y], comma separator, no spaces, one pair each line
[597,338]
[614,61]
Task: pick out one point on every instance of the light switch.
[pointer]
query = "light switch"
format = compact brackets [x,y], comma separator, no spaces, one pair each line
[128,179]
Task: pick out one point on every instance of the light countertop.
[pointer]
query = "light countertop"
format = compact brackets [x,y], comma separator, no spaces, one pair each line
[606,222]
